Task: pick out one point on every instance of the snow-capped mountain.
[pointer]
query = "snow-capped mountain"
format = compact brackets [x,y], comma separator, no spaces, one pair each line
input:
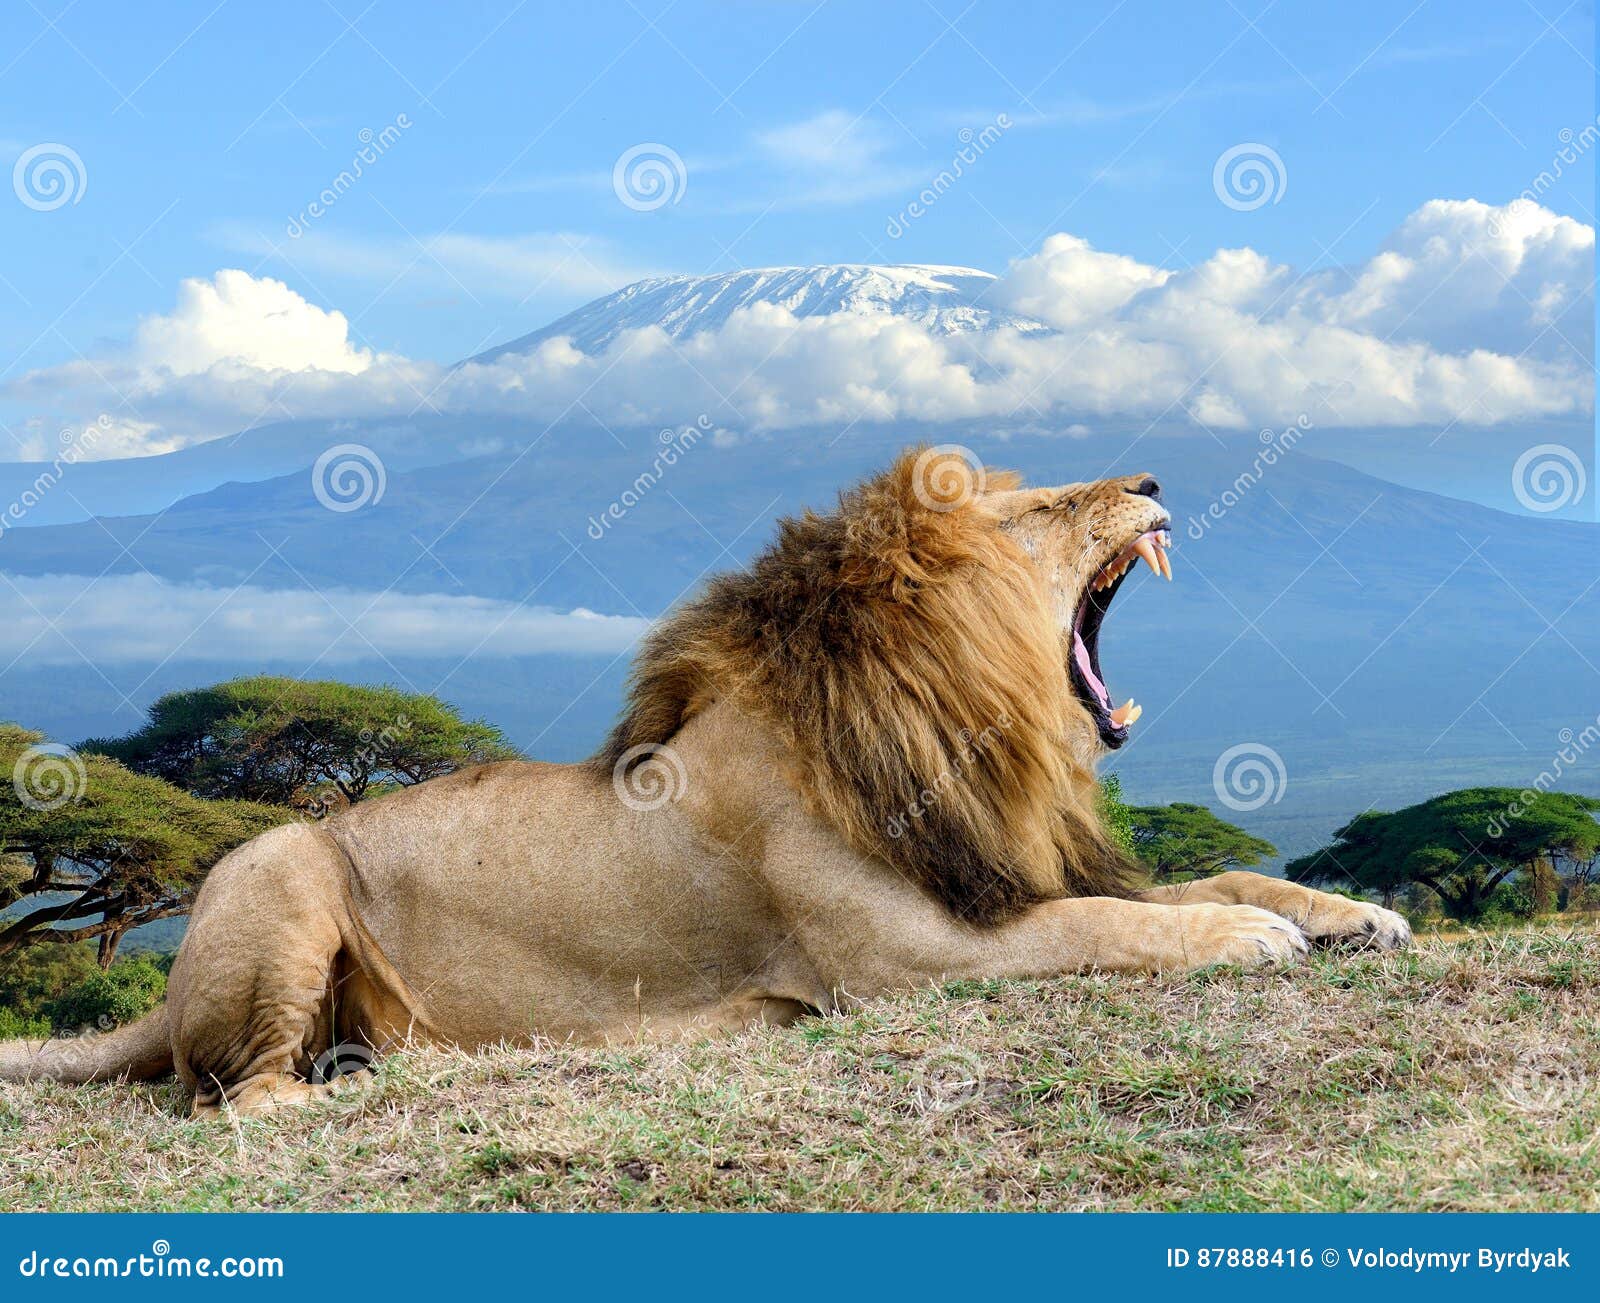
[946,300]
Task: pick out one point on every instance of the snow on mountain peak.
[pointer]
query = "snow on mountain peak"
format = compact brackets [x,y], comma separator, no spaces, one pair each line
[944,300]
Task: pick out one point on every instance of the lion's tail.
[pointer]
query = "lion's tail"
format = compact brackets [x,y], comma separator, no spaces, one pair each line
[136,1052]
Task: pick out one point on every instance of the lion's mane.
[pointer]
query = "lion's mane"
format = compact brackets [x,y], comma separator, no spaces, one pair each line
[909,657]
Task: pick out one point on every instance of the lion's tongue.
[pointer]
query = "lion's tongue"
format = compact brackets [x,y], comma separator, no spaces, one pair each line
[1080,653]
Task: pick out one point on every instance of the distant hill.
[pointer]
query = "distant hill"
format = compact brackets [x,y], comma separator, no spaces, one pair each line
[1386,643]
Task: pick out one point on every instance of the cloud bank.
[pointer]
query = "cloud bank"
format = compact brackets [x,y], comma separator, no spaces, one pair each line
[1468,313]
[65,619]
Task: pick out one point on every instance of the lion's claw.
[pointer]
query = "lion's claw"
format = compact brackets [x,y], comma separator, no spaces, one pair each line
[1358,925]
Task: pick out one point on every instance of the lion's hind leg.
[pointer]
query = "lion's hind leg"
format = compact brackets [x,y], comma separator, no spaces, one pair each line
[251,999]
[1326,919]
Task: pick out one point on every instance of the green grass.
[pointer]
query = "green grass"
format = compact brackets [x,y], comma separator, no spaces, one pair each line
[1462,1075]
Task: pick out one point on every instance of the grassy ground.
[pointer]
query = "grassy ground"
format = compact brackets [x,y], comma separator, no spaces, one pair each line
[1463,1075]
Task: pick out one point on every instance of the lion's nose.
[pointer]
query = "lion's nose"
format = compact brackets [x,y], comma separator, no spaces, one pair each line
[1149,487]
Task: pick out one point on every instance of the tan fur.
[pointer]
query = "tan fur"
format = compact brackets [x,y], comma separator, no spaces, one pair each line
[891,644]
[855,768]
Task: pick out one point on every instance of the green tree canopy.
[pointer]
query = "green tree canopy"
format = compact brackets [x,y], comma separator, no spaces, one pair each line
[1179,841]
[1461,845]
[309,745]
[90,849]
[1114,812]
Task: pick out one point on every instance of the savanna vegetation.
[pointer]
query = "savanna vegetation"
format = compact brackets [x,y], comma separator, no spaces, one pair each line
[1463,1074]
[1457,1075]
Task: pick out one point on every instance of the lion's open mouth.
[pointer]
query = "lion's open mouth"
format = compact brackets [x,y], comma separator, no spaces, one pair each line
[1084,663]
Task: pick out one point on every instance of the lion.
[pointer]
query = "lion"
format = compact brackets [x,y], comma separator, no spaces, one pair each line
[863,764]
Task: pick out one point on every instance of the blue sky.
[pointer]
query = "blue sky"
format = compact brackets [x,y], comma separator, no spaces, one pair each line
[204,129]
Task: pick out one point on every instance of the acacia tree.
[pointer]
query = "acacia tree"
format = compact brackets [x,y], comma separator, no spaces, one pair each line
[89,849]
[309,745]
[1181,841]
[1461,845]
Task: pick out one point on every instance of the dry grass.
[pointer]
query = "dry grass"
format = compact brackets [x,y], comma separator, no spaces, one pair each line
[1464,1075]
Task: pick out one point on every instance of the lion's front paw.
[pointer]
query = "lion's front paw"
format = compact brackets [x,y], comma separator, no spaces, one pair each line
[1336,921]
[1236,934]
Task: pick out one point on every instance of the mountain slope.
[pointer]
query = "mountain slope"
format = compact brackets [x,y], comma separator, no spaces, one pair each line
[945,300]
[1384,643]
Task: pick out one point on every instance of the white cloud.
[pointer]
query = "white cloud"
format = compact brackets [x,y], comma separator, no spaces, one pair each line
[832,139]
[511,267]
[1469,313]
[1236,341]
[237,318]
[1459,275]
[830,158]
[1068,282]
[60,619]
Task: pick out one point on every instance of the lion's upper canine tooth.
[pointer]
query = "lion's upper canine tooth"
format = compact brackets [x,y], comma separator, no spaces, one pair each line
[1166,565]
[1147,549]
